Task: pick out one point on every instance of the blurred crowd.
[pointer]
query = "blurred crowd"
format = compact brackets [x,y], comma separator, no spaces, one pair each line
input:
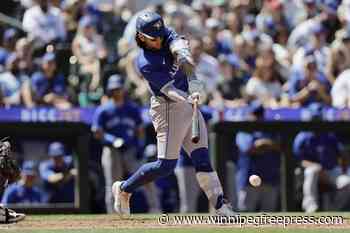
[283,53]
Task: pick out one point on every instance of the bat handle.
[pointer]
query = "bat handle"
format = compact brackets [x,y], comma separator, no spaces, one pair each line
[195,122]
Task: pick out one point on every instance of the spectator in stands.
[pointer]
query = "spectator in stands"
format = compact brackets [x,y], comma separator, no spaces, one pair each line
[339,60]
[44,23]
[320,50]
[25,192]
[24,51]
[259,154]
[309,85]
[58,174]
[47,87]
[230,90]
[341,90]
[321,155]
[11,82]
[265,83]
[71,11]
[89,49]
[206,66]
[302,33]
[8,46]
[271,18]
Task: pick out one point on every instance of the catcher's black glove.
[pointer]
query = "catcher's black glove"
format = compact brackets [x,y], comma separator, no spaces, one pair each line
[9,170]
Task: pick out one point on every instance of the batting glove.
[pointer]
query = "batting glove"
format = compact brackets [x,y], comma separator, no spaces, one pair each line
[196,95]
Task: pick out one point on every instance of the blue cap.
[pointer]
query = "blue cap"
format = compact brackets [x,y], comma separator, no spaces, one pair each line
[316,111]
[256,107]
[28,168]
[9,34]
[115,82]
[150,24]
[86,21]
[49,57]
[330,6]
[56,149]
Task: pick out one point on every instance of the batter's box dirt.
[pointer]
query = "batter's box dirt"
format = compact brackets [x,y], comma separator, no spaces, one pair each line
[73,222]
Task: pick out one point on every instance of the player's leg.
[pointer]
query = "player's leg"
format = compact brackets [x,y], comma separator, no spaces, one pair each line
[132,163]
[207,178]
[112,170]
[310,188]
[168,120]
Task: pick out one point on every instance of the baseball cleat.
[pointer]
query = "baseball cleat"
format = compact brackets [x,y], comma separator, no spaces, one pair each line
[10,216]
[121,199]
[225,210]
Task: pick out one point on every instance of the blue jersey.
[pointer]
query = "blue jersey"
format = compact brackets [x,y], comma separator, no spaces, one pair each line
[159,67]
[18,193]
[57,193]
[41,85]
[119,121]
[266,165]
[321,148]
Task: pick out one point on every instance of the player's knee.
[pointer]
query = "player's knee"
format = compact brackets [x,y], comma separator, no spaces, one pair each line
[166,166]
[201,161]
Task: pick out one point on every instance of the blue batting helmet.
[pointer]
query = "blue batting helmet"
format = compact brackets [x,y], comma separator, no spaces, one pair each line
[56,149]
[150,24]
[114,82]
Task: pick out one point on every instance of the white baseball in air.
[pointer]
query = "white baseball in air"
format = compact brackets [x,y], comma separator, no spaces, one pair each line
[255,180]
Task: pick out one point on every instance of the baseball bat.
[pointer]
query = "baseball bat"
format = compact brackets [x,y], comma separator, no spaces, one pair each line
[195,122]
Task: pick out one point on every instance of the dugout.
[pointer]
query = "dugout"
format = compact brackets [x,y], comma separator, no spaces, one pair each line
[75,134]
[222,138]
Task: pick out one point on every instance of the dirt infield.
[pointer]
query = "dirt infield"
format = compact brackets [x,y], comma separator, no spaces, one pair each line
[71,222]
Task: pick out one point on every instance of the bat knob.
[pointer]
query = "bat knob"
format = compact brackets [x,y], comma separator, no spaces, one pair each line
[195,139]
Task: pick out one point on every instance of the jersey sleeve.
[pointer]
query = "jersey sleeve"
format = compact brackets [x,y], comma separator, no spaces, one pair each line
[244,141]
[97,120]
[45,171]
[299,147]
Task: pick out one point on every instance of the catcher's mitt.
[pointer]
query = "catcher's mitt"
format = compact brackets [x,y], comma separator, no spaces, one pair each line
[9,170]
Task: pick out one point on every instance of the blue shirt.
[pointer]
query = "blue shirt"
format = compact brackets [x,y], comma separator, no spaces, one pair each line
[159,67]
[4,54]
[42,85]
[18,193]
[57,193]
[298,81]
[266,165]
[119,121]
[321,148]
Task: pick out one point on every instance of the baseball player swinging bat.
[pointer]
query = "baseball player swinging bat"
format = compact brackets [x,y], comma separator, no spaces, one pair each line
[195,122]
